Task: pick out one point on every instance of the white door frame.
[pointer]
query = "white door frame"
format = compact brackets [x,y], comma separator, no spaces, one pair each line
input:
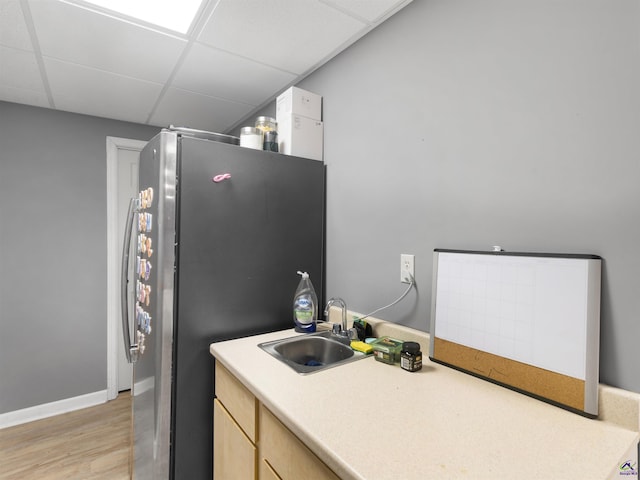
[114,257]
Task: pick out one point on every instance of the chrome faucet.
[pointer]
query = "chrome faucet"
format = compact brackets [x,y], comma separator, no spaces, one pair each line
[343,332]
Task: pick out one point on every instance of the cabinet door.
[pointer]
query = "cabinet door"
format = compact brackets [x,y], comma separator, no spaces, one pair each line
[266,472]
[234,456]
[286,454]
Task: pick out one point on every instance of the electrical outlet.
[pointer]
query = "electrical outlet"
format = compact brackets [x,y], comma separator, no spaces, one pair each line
[407,271]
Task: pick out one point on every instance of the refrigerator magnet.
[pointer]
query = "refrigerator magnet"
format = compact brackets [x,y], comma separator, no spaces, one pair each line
[147,269]
[221,177]
[143,267]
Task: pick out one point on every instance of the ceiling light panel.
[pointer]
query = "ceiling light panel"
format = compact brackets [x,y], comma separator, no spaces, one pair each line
[171,14]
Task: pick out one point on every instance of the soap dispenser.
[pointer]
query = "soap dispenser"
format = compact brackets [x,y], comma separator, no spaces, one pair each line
[305,305]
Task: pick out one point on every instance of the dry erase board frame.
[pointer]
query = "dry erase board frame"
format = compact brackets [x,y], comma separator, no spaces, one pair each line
[527,321]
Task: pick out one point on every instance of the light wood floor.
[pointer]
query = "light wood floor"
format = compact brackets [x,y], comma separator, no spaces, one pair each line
[88,444]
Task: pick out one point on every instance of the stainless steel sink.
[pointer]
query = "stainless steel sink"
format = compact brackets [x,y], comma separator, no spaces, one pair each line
[311,353]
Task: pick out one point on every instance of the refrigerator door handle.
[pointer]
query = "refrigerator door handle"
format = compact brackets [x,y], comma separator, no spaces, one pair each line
[130,349]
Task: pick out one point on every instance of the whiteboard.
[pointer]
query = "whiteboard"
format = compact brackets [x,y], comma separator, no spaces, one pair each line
[542,310]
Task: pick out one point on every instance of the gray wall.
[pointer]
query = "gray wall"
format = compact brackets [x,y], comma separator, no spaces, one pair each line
[457,123]
[53,242]
[467,124]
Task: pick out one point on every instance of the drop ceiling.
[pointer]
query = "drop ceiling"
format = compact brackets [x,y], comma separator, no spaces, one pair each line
[236,57]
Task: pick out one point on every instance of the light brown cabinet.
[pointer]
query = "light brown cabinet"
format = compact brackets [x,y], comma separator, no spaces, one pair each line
[265,471]
[234,429]
[285,455]
[234,456]
[249,442]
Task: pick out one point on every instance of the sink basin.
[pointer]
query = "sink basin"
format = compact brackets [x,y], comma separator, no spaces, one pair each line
[311,353]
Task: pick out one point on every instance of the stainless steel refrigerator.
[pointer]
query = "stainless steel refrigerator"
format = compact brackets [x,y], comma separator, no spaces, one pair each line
[215,238]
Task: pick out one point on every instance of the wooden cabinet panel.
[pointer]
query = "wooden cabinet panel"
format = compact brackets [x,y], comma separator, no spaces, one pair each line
[234,455]
[266,472]
[239,401]
[250,443]
[286,454]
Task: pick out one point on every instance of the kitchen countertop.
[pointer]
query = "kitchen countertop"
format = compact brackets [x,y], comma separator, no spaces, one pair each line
[369,420]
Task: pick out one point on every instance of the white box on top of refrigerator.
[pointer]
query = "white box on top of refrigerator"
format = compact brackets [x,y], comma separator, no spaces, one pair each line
[301,136]
[297,101]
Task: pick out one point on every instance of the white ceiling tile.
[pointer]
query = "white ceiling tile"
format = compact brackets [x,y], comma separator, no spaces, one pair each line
[19,69]
[104,65]
[13,29]
[188,109]
[370,10]
[94,92]
[25,97]
[78,35]
[291,35]
[216,73]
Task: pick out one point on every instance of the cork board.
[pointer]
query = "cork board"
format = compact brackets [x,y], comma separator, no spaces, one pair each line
[526,321]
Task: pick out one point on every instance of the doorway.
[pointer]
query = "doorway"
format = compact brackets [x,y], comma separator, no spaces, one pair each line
[122,184]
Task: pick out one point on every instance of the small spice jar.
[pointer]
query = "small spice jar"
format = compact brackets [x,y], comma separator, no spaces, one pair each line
[271,141]
[266,124]
[251,137]
[411,356]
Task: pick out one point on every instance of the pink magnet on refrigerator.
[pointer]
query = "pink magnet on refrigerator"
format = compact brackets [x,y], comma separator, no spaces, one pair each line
[221,177]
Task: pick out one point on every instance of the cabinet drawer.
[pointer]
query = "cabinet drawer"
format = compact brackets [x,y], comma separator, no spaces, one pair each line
[286,454]
[238,401]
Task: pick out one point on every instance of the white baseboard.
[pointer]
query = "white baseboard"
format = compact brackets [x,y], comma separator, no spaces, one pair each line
[45,410]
